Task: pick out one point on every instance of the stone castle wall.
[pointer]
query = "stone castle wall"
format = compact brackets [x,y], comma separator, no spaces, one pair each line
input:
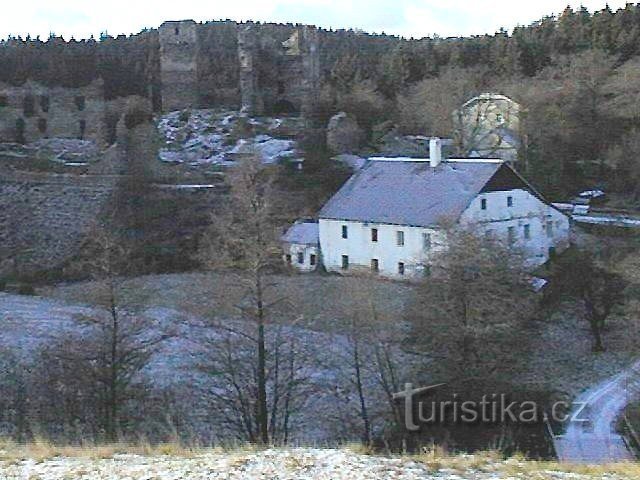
[276,68]
[179,65]
[45,218]
[34,111]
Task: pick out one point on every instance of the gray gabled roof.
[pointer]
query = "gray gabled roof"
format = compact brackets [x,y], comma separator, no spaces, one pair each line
[409,192]
[303,233]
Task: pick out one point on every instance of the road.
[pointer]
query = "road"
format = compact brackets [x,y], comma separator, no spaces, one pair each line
[596,440]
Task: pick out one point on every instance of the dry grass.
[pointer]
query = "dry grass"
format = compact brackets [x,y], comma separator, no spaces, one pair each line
[518,466]
[434,458]
[41,450]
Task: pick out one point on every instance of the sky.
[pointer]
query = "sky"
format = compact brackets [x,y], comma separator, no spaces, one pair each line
[409,18]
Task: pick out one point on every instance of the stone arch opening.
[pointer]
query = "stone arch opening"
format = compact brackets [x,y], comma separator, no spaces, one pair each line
[284,107]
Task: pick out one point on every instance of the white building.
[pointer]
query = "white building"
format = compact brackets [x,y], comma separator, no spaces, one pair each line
[301,246]
[389,217]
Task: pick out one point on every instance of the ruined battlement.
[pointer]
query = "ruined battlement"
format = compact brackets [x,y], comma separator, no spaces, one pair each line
[275,68]
[33,111]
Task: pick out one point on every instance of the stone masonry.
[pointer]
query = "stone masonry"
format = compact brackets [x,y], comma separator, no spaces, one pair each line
[33,111]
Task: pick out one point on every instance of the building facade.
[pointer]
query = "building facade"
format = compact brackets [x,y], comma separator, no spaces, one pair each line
[33,111]
[301,246]
[392,218]
[489,126]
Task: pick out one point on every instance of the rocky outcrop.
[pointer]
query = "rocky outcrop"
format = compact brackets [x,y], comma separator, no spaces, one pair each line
[343,134]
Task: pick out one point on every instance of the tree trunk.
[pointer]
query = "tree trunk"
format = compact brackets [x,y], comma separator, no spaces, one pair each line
[598,345]
[364,414]
[263,421]
[113,380]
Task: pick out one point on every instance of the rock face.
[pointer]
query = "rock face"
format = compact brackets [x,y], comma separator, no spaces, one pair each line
[343,134]
[210,137]
[44,218]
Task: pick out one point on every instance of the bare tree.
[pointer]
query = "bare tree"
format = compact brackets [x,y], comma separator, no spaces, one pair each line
[371,361]
[598,287]
[114,343]
[470,315]
[244,243]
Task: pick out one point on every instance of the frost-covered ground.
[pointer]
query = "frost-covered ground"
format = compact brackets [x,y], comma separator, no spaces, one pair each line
[68,152]
[292,464]
[209,137]
[328,404]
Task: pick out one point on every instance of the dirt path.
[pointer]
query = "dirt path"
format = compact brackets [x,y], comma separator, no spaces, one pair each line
[592,437]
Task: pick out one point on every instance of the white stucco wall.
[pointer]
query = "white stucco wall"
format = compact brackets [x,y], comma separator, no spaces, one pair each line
[307,251]
[360,248]
[494,221]
[527,209]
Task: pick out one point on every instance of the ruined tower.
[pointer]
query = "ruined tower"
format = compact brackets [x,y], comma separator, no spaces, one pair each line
[297,71]
[179,65]
[251,100]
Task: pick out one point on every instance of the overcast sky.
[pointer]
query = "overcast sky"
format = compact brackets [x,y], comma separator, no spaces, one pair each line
[417,18]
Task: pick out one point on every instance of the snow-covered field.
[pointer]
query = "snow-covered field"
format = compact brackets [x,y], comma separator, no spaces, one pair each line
[291,464]
[327,404]
[205,138]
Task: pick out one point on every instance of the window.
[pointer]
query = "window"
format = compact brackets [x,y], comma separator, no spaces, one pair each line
[509,201]
[400,238]
[375,265]
[426,242]
[345,262]
[83,128]
[483,204]
[374,234]
[42,125]
[512,234]
[177,31]
[527,232]
[301,258]
[549,228]
[80,102]
[400,268]
[288,257]
[313,260]
[29,106]
[426,270]
[345,232]
[4,101]
[44,103]
[20,127]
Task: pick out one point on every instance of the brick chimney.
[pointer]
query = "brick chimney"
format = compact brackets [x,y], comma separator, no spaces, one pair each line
[435,152]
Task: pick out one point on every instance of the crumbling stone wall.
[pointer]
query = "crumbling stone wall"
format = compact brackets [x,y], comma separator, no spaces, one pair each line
[179,65]
[34,111]
[276,68]
[279,68]
[44,219]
